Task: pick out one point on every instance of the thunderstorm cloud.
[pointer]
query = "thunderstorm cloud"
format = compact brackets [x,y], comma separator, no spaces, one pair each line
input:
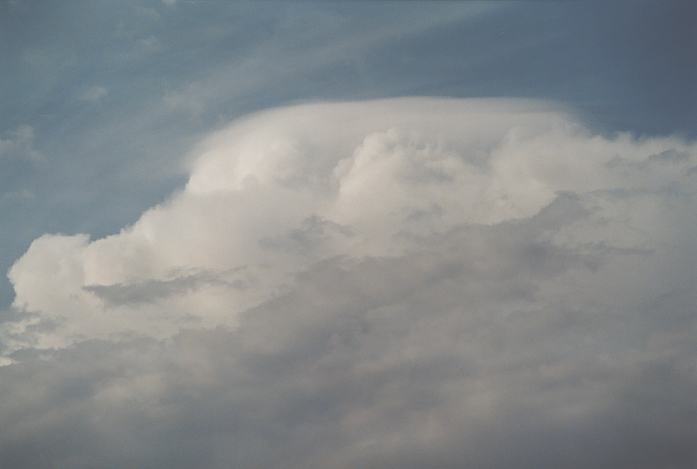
[402,283]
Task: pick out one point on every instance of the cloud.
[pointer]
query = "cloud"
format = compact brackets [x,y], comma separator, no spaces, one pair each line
[151,290]
[396,283]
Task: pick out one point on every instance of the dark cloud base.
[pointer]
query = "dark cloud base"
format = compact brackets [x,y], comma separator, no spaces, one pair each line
[492,348]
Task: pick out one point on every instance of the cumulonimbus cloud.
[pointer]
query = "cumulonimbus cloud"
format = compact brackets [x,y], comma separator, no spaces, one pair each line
[395,283]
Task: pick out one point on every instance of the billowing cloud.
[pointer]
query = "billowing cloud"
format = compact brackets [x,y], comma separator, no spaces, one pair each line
[398,283]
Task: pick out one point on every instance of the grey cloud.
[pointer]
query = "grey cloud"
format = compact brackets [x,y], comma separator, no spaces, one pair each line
[558,334]
[309,236]
[489,346]
[151,290]
[413,332]
[670,156]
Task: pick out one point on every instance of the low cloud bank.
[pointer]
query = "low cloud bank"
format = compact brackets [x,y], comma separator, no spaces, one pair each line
[397,283]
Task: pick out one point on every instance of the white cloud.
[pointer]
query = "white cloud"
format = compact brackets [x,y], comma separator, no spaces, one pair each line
[397,283]
[385,174]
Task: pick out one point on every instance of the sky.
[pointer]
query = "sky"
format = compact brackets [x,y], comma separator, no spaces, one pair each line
[348,234]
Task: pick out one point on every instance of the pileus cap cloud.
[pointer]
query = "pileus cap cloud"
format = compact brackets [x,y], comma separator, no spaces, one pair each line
[400,283]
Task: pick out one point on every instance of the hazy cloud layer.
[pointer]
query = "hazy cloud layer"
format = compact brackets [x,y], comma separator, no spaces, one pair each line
[399,283]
